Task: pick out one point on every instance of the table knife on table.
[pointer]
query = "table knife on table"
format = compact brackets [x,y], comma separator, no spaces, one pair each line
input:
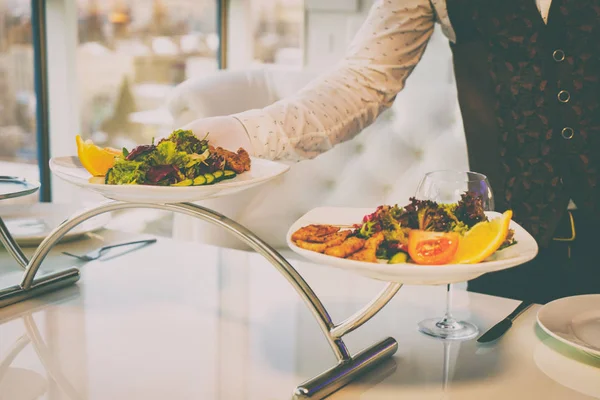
[496,331]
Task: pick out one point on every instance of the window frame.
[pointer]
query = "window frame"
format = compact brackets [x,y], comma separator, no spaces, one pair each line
[38,27]
[222,29]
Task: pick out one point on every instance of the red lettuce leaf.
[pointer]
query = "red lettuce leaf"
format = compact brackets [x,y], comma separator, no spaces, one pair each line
[138,151]
[161,172]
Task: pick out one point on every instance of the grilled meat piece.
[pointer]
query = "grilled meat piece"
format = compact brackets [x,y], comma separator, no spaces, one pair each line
[365,255]
[347,248]
[311,233]
[316,247]
[337,238]
[238,162]
[369,252]
[375,241]
[334,239]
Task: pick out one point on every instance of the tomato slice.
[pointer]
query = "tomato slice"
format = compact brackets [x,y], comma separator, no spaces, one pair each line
[432,248]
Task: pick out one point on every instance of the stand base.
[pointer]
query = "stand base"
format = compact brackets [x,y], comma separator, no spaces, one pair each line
[441,328]
[47,283]
[339,376]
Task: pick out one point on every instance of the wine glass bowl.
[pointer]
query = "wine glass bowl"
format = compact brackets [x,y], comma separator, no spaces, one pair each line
[448,186]
[444,187]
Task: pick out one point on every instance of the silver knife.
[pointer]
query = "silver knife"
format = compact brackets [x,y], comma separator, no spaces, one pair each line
[496,331]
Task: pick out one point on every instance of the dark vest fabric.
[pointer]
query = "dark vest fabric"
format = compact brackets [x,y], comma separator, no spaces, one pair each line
[537,151]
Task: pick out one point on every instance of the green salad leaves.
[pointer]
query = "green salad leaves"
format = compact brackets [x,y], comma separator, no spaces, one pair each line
[182,159]
[396,222]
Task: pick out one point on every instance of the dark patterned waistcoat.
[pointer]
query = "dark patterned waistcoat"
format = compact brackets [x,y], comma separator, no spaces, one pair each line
[529,94]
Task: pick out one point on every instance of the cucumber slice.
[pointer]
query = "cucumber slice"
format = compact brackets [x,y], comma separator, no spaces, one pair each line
[185,182]
[399,258]
[227,174]
[218,174]
[200,180]
[107,176]
[210,179]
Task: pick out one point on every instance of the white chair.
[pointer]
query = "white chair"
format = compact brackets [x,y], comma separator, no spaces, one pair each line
[382,165]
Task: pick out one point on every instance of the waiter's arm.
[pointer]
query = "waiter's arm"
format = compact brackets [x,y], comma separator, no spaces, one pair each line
[339,104]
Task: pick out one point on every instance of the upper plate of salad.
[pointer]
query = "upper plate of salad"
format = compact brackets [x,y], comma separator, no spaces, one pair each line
[179,168]
[422,243]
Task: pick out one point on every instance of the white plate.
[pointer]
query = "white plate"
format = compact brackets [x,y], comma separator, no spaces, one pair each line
[70,170]
[568,366]
[11,187]
[525,250]
[30,224]
[574,321]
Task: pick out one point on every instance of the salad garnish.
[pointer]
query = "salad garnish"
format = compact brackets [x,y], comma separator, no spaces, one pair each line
[182,159]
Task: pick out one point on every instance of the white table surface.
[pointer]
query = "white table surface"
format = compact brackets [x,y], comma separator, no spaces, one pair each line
[182,320]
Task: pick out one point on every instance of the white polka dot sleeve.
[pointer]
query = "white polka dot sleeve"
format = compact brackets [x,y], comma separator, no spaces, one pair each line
[339,104]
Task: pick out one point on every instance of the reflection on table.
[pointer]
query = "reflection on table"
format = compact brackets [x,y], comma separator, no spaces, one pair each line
[185,321]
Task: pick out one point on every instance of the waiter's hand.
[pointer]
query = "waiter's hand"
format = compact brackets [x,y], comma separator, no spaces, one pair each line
[226,132]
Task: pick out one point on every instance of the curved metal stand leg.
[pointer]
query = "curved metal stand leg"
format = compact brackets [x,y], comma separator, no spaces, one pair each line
[11,246]
[348,367]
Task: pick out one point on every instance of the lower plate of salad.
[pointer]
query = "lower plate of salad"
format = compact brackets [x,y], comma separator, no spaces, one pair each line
[180,168]
[345,238]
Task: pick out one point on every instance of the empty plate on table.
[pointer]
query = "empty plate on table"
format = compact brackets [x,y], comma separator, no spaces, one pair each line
[71,170]
[568,366]
[411,274]
[574,321]
[30,224]
[11,187]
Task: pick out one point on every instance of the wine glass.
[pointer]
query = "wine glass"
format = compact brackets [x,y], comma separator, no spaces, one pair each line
[447,186]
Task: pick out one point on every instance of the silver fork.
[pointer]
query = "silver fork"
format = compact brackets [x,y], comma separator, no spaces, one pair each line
[96,254]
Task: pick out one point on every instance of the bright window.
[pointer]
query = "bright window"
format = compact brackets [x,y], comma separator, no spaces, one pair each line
[265,32]
[131,53]
[129,56]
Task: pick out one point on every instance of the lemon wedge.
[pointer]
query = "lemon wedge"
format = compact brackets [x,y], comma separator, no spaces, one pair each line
[96,160]
[483,240]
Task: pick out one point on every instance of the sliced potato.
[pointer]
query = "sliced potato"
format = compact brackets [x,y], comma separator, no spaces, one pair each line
[316,247]
[347,248]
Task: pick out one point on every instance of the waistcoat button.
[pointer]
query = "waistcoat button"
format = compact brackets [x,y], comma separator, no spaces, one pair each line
[568,133]
[558,55]
[564,96]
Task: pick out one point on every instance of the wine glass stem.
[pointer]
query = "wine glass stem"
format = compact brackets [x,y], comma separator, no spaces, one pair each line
[448,321]
[446,365]
[448,302]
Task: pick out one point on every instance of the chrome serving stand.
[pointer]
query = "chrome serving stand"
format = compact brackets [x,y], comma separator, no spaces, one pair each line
[348,366]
